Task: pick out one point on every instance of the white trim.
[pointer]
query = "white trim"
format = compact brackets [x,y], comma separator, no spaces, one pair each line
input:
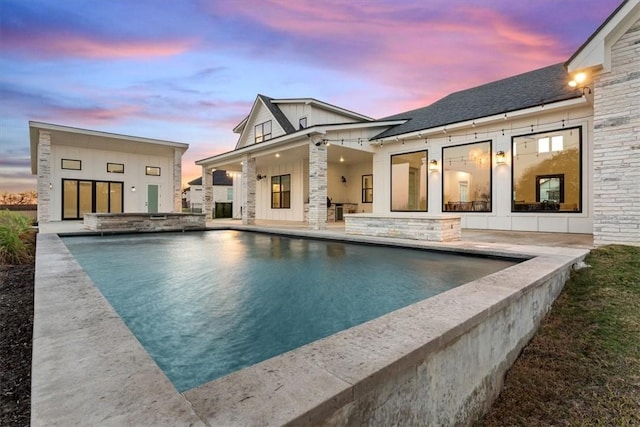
[596,53]
[60,128]
[485,120]
[323,105]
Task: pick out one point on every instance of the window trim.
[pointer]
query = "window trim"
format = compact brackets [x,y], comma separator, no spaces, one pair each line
[426,152]
[79,168]
[264,136]
[491,199]
[580,169]
[115,164]
[146,170]
[279,177]
[300,125]
[364,189]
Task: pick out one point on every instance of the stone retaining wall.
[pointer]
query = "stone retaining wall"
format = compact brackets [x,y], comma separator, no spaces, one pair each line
[144,221]
[443,228]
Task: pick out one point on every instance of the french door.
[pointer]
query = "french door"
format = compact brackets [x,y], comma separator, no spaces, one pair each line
[82,196]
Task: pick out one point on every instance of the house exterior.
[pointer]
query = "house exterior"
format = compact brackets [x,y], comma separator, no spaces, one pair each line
[223,195]
[81,171]
[530,152]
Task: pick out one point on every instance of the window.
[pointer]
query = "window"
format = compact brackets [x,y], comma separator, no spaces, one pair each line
[466,177]
[547,171]
[409,182]
[75,165]
[302,123]
[115,167]
[152,170]
[263,131]
[367,188]
[281,192]
[229,193]
[82,196]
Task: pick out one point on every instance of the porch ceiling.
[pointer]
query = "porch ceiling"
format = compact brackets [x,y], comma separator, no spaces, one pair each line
[286,155]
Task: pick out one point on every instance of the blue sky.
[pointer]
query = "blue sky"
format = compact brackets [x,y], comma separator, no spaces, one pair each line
[189,71]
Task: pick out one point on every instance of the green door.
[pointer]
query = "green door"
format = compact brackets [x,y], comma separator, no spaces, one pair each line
[152,198]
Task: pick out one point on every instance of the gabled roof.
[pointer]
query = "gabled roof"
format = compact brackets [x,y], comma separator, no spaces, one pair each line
[538,87]
[323,105]
[278,114]
[595,53]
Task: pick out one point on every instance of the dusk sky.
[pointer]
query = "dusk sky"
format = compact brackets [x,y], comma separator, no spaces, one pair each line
[189,71]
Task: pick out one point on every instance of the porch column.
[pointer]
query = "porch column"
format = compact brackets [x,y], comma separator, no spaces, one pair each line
[177,180]
[317,185]
[45,185]
[207,192]
[249,191]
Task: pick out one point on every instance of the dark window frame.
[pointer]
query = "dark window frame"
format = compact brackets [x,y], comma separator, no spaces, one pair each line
[473,207]
[147,168]
[282,193]
[263,135]
[560,176]
[115,164]
[79,168]
[302,123]
[365,199]
[93,196]
[550,208]
[426,152]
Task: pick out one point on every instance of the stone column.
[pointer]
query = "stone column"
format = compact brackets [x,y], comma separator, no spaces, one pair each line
[249,191]
[45,185]
[317,186]
[207,192]
[177,180]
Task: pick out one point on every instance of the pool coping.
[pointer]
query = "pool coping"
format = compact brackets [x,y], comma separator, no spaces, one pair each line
[89,369]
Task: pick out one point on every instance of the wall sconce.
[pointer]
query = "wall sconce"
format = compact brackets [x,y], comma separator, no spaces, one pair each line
[133,188]
[501,158]
[433,165]
[343,179]
[578,83]
[50,186]
[260,177]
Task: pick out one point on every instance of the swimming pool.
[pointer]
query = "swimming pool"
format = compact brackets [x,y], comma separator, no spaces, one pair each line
[205,304]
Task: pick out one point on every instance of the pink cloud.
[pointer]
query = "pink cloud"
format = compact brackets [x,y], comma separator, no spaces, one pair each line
[65,45]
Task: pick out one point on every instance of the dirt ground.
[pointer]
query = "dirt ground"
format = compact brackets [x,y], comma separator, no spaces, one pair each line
[16,329]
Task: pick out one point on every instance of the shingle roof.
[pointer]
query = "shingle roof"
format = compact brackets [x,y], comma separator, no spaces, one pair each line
[538,87]
[197,181]
[278,114]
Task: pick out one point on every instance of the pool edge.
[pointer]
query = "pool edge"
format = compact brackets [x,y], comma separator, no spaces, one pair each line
[308,385]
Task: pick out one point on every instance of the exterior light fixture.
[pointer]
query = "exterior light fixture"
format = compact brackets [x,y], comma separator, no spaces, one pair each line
[341,159]
[260,177]
[501,158]
[133,188]
[578,82]
[50,186]
[277,154]
[343,179]
[433,165]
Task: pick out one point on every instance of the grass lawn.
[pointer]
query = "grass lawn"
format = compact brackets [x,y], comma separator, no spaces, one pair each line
[583,365]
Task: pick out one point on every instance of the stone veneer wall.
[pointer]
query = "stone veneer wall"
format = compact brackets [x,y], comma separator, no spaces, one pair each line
[177,180]
[144,221]
[249,191]
[444,228]
[207,192]
[317,186]
[616,153]
[44,177]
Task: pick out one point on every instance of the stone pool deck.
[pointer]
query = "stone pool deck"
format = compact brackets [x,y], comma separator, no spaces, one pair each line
[88,369]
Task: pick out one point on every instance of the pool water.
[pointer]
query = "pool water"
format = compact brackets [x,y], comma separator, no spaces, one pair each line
[205,304]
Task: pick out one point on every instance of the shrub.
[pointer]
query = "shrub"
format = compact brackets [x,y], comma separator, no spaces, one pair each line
[15,238]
